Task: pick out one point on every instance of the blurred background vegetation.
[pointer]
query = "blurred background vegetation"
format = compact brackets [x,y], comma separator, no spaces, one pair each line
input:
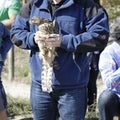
[112,7]
[22,71]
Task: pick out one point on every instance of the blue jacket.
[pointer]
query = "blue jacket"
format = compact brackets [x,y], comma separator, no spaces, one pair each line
[84,27]
[6,43]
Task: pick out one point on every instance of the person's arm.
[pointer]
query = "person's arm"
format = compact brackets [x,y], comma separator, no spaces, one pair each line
[109,71]
[9,21]
[6,42]
[20,34]
[13,10]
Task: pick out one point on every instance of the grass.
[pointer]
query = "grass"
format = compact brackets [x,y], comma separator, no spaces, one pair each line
[18,106]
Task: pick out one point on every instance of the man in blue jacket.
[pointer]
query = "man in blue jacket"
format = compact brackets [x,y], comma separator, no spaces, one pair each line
[83,27]
[6,44]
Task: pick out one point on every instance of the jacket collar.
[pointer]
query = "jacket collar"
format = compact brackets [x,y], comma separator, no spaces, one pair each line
[43,4]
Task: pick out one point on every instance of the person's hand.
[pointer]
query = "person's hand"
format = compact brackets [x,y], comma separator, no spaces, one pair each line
[39,37]
[54,40]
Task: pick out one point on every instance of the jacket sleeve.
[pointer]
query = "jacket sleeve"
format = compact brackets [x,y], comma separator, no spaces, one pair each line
[6,42]
[110,75]
[20,32]
[95,35]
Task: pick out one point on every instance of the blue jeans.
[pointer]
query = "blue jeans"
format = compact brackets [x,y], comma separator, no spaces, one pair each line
[68,104]
[108,105]
[3,100]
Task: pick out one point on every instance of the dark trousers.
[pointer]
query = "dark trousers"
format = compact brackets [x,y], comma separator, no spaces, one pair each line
[92,88]
[108,105]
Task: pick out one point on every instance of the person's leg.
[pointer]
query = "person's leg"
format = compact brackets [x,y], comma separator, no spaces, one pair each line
[43,105]
[72,104]
[92,88]
[108,105]
[3,103]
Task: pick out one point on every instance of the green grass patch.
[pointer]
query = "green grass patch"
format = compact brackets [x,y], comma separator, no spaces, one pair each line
[18,106]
